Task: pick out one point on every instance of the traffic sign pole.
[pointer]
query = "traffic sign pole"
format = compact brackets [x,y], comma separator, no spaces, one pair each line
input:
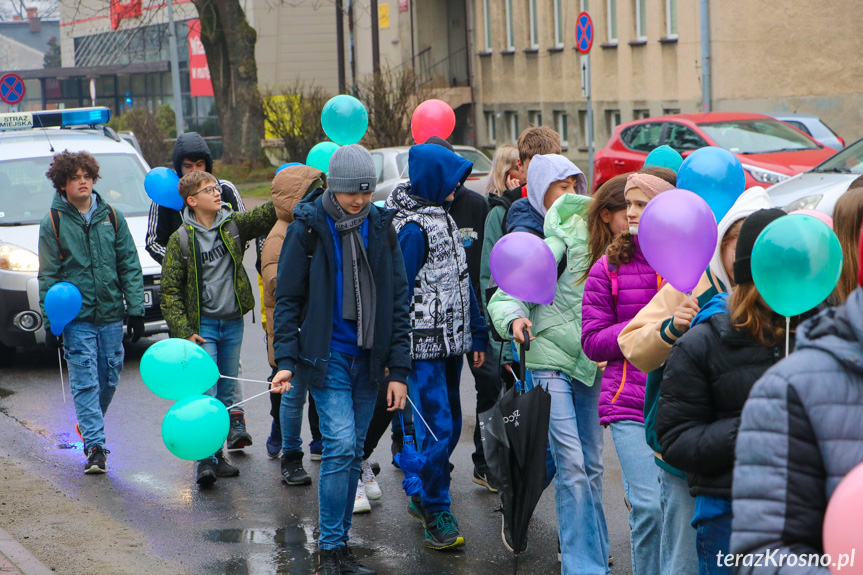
[589,124]
[583,43]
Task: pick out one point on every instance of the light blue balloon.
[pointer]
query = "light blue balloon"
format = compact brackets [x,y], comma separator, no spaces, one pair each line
[196,427]
[345,120]
[162,185]
[62,304]
[664,157]
[176,368]
[319,156]
[287,165]
[716,175]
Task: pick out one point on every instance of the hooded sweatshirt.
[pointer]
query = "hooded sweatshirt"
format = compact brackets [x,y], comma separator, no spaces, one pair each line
[528,215]
[218,297]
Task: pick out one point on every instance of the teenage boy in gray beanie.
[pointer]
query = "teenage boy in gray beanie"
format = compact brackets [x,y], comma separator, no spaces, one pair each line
[342,327]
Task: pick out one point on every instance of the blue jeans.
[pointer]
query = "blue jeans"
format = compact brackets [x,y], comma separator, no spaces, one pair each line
[224,340]
[345,402]
[291,415]
[677,552]
[576,445]
[641,484]
[94,354]
[713,537]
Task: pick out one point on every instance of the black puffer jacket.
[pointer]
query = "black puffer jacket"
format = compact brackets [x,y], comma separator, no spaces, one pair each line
[707,379]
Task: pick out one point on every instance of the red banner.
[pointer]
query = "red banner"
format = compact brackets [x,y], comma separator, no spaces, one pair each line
[119,11]
[404,6]
[199,70]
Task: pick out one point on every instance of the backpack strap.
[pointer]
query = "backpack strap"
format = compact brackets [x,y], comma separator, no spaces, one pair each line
[612,275]
[183,234]
[112,217]
[234,231]
[55,223]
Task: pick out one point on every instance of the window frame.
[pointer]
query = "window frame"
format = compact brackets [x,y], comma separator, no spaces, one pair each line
[640,20]
[561,124]
[510,31]
[611,21]
[486,24]
[558,23]
[512,121]
[534,118]
[490,128]
[671,8]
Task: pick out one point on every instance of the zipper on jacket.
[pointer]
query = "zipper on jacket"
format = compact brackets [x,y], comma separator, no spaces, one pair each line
[194,253]
[622,383]
[465,310]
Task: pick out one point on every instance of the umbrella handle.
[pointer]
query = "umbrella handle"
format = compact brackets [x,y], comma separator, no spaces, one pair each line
[524,347]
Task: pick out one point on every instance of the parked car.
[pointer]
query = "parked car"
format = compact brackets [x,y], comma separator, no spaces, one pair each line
[391,165]
[813,126]
[770,151]
[820,187]
[26,195]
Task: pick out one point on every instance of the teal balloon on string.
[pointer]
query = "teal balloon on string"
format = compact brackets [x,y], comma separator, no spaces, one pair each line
[176,368]
[319,156]
[196,427]
[345,120]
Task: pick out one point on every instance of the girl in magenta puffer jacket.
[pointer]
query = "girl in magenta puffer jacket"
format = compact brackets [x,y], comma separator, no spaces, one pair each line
[618,286]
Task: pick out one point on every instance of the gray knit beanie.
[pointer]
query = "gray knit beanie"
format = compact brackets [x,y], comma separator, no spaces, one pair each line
[352,171]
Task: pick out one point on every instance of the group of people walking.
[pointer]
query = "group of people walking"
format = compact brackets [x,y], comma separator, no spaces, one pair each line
[726,447]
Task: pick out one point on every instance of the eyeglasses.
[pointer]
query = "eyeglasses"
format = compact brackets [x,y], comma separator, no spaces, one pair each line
[211,190]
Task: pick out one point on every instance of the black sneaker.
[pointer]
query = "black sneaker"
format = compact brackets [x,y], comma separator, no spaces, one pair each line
[396,447]
[506,536]
[376,467]
[482,479]
[328,562]
[225,469]
[238,437]
[292,469]
[415,509]
[442,531]
[206,473]
[96,460]
[349,564]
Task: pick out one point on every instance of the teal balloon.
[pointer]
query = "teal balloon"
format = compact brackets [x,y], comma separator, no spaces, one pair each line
[319,156]
[345,120]
[196,427]
[176,368]
[664,157]
[796,262]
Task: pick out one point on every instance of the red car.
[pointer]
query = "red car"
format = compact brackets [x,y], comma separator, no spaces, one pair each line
[770,151]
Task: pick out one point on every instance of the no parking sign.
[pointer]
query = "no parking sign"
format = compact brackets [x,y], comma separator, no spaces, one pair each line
[12,89]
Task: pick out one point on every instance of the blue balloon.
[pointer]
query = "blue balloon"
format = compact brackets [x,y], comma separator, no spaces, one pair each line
[162,185]
[62,304]
[664,157]
[287,165]
[716,175]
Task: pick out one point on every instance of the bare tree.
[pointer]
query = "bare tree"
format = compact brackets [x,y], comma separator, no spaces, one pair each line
[152,130]
[293,113]
[390,97]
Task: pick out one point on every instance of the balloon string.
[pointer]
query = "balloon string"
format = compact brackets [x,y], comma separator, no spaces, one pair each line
[554,306]
[420,415]
[787,334]
[243,379]
[249,399]
[62,387]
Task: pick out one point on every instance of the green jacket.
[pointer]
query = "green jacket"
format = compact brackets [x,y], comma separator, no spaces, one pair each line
[493,233]
[102,264]
[180,289]
[557,331]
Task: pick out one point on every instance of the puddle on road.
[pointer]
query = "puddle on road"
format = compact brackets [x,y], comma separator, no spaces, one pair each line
[5,393]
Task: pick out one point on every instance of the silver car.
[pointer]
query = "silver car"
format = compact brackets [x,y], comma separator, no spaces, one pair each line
[813,126]
[392,169]
[820,187]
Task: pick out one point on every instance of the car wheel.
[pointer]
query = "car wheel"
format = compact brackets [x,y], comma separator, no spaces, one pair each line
[7,356]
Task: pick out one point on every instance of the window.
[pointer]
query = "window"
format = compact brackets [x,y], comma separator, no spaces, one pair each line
[534,118]
[757,136]
[612,120]
[558,24]
[486,24]
[582,125]
[682,138]
[534,25]
[670,111]
[799,125]
[640,114]
[560,124]
[489,126]
[612,21]
[671,18]
[642,137]
[641,19]
[378,159]
[510,33]
[512,121]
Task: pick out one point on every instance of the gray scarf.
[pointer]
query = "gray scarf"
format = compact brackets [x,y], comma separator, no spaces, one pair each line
[358,285]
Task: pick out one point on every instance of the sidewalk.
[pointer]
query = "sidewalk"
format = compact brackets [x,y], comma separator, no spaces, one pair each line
[14,558]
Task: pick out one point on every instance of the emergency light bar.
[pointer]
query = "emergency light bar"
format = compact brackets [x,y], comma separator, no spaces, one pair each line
[55,118]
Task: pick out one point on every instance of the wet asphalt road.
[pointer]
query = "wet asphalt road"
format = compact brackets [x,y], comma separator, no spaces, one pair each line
[254,524]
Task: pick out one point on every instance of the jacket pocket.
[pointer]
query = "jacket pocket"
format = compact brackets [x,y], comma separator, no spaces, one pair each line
[622,383]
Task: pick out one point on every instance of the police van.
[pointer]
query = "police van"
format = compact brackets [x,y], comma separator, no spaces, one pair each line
[28,142]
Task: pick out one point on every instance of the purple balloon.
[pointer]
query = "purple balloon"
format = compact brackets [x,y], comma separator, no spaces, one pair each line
[523,266]
[677,233]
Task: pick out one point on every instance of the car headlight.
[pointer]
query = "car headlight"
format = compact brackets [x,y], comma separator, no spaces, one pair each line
[17,259]
[807,203]
[765,176]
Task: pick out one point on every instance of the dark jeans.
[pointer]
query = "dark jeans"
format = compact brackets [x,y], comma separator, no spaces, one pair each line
[381,419]
[314,421]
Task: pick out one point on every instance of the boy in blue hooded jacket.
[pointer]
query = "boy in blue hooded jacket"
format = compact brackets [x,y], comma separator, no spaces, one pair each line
[445,321]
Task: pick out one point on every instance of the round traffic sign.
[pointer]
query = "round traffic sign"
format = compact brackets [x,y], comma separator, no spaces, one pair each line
[583,33]
[12,89]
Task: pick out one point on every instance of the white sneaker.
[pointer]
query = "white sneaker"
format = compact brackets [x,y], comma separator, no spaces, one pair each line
[367,478]
[361,503]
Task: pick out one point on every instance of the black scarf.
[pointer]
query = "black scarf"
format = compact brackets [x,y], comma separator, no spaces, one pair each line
[358,285]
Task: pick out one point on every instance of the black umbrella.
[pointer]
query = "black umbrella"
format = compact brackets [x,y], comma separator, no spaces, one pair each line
[515,438]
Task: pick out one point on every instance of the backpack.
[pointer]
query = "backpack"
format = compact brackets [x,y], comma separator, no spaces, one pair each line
[183,232]
[55,223]
[612,275]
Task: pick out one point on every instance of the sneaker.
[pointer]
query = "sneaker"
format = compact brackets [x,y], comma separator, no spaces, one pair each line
[482,479]
[361,502]
[442,531]
[349,564]
[328,562]
[225,469]
[610,560]
[292,469]
[206,473]
[316,448]
[238,437]
[274,441]
[376,467]
[396,447]
[506,536]
[78,431]
[415,509]
[373,490]
[559,554]
[96,460]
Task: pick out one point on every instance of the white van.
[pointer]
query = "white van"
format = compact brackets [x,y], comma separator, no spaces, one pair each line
[28,142]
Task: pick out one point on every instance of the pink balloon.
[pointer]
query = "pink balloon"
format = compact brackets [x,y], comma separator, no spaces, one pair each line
[523,266]
[432,118]
[677,233]
[842,534]
[816,214]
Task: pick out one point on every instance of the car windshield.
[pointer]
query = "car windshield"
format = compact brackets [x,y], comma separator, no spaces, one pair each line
[848,161]
[26,194]
[761,136]
[481,163]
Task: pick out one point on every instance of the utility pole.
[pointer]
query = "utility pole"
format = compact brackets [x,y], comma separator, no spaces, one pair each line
[175,69]
[340,44]
[376,45]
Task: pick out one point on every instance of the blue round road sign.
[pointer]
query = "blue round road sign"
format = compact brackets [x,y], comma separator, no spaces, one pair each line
[12,89]
[583,33]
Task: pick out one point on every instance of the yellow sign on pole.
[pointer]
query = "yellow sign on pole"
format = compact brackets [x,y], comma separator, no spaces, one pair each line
[384,15]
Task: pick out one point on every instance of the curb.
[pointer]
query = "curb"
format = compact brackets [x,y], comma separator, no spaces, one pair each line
[22,559]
